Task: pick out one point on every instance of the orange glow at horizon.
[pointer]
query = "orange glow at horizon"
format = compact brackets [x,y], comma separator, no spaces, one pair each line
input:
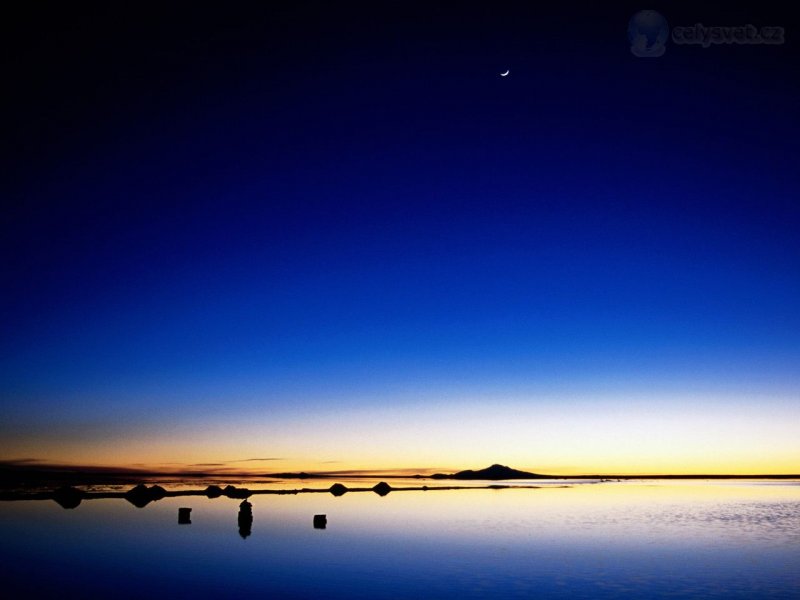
[606,437]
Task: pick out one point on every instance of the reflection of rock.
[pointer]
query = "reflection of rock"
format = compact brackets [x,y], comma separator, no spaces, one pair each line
[213,491]
[141,495]
[67,496]
[233,492]
[382,488]
[320,521]
[184,516]
[337,489]
[245,519]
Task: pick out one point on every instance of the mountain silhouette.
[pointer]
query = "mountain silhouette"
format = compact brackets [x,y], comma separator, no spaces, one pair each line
[494,473]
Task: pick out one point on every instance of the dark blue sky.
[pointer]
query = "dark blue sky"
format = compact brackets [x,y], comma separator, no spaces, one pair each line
[237,209]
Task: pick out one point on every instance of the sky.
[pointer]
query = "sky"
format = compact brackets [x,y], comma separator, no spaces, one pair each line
[332,236]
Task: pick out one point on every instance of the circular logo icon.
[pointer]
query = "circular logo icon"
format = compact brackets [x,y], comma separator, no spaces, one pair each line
[648,32]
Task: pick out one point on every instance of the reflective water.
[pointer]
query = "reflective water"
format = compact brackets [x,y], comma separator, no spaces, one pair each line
[610,540]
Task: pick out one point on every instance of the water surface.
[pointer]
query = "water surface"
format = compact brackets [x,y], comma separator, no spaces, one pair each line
[611,540]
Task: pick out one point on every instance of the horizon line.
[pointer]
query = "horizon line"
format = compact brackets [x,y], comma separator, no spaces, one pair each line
[31,466]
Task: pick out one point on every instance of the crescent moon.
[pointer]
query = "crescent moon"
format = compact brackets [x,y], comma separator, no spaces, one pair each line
[506,73]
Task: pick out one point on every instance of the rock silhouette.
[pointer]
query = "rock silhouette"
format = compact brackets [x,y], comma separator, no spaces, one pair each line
[382,488]
[320,521]
[184,516]
[233,492]
[213,491]
[245,519]
[141,495]
[67,496]
[337,489]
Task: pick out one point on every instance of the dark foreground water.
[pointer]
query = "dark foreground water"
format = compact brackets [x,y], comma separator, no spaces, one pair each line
[610,540]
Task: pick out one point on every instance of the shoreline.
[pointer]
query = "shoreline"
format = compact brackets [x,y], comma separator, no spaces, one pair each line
[141,495]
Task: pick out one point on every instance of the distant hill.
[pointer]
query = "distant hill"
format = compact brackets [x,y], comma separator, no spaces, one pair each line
[494,473]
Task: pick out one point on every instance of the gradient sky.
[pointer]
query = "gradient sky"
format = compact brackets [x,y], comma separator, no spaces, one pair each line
[334,236]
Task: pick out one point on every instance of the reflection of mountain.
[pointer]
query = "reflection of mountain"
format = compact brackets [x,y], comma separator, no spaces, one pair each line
[495,472]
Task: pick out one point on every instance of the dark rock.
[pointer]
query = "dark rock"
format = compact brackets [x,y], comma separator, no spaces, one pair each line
[67,496]
[337,489]
[213,491]
[140,496]
[382,488]
[234,492]
[245,519]
[184,516]
[320,521]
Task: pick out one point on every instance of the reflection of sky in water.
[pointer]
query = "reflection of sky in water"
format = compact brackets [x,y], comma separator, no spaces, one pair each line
[631,539]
